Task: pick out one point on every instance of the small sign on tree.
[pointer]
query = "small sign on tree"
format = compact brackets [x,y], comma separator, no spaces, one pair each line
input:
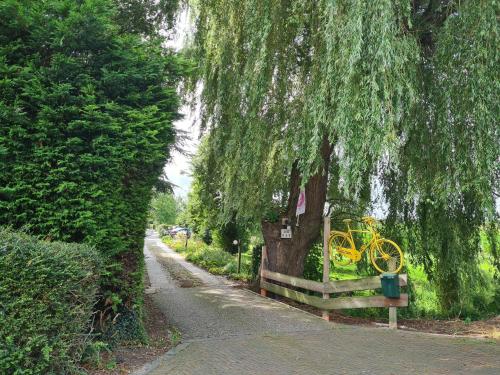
[286,230]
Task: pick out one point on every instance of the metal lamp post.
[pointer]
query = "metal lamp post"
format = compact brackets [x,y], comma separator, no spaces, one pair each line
[236,242]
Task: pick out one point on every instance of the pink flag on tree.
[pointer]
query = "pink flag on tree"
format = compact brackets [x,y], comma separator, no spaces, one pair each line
[301,203]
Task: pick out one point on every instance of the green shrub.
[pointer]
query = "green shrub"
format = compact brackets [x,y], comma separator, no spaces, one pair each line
[256,257]
[313,265]
[47,295]
[162,229]
[207,237]
[212,258]
[86,116]
[209,257]
[164,208]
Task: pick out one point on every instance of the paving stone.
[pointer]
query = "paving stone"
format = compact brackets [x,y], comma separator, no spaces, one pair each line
[234,331]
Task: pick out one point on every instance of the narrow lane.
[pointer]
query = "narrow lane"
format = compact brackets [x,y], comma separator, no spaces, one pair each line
[226,330]
[215,308]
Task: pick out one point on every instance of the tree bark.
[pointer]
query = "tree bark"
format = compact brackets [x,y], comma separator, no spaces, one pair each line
[288,255]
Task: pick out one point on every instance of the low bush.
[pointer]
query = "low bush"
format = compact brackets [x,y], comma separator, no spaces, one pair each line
[313,265]
[47,295]
[162,229]
[256,258]
[212,258]
[207,237]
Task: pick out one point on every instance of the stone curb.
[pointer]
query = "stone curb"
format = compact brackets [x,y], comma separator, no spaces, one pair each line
[148,367]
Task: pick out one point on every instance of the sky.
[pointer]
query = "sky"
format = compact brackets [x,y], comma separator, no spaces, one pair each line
[178,170]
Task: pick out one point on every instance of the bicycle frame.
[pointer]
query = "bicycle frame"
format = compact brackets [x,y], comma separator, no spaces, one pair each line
[371,230]
[385,255]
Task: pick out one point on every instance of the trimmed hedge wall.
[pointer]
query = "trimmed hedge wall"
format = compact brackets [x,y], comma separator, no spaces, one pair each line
[47,294]
[86,114]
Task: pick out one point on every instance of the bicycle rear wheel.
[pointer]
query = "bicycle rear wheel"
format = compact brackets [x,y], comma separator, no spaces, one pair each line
[339,245]
[386,256]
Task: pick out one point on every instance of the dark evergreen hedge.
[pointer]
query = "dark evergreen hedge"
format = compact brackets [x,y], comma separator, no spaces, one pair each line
[47,294]
[86,117]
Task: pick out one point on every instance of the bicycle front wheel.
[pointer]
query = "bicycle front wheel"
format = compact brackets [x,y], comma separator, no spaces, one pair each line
[386,256]
[340,245]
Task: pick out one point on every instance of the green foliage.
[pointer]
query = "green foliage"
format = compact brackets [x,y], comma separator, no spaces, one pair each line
[225,235]
[203,207]
[279,76]
[313,265]
[94,351]
[175,336]
[406,93]
[146,17]
[256,259]
[47,296]
[127,329]
[164,208]
[207,236]
[213,258]
[443,189]
[86,113]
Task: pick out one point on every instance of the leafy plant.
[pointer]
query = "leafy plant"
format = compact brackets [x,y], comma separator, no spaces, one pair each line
[86,111]
[94,351]
[212,258]
[207,236]
[47,296]
[313,265]
[175,336]
[391,100]
[256,260]
[164,208]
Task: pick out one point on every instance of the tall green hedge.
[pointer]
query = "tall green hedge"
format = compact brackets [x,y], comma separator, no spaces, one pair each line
[47,295]
[86,115]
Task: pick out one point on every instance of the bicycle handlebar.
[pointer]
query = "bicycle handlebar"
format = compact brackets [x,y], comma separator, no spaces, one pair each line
[369,219]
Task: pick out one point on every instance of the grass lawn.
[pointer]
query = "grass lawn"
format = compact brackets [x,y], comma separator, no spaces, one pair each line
[424,302]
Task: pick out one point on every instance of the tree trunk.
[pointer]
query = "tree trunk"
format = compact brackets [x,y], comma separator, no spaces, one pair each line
[288,255]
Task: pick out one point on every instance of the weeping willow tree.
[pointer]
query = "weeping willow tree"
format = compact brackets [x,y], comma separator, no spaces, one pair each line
[445,187]
[397,90]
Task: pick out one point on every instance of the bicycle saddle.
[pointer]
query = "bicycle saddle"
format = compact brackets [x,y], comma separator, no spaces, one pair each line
[347,221]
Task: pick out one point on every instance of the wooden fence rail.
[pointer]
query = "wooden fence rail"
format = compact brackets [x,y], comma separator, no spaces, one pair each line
[331,303]
[339,286]
[328,287]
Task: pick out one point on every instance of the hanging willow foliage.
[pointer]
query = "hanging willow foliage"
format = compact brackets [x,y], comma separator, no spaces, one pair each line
[448,176]
[278,75]
[404,90]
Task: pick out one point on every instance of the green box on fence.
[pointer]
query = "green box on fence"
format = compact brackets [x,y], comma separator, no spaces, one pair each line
[390,285]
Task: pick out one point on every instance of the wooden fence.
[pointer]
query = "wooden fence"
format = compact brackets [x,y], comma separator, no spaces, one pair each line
[327,287]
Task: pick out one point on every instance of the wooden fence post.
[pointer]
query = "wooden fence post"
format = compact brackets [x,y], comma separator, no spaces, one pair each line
[393,311]
[263,261]
[393,317]
[326,262]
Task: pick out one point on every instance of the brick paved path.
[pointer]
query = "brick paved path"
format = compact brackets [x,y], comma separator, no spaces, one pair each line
[233,331]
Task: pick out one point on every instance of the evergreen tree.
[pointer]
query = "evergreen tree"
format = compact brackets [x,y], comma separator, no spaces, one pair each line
[86,114]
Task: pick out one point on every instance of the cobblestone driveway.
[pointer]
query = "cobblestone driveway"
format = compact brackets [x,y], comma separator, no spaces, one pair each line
[233,331]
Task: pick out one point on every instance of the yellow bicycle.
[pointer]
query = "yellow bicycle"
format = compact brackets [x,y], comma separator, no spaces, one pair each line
[385,255]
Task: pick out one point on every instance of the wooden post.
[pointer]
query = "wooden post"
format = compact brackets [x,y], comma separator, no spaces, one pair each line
[393,317]
[326,262]
[393,311]
[263,261]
